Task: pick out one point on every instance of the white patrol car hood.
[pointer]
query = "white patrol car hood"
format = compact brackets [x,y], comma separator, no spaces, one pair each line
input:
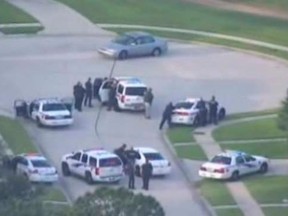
[260,158]
[64,157]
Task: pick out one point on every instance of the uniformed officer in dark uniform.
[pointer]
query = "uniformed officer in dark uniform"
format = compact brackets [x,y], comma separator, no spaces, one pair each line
[146,174]
[79,93]
[112,96]
[96,86]
[89,92]
[213,111]
[130,169]
[166,116]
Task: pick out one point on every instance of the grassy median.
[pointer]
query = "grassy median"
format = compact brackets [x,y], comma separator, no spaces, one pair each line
[19,141]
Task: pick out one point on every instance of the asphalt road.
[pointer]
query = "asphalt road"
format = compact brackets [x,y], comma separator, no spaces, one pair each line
[50,66]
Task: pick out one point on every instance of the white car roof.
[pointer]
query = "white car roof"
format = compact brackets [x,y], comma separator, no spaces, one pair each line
[192,100]
[133,82]
[33,156]
[145,150]
[232,153]
[99,153]
[48,100]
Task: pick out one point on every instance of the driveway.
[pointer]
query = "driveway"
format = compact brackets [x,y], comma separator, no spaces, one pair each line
[49,66]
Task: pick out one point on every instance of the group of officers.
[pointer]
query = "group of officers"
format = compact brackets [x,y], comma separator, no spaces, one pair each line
[209,113]
[128,157]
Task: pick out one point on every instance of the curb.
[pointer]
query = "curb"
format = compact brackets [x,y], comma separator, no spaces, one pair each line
[180,164]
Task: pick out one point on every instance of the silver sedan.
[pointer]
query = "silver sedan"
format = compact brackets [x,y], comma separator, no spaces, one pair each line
[133,44]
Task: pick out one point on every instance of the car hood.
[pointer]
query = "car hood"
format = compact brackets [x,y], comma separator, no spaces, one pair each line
[113,46]
[260,158]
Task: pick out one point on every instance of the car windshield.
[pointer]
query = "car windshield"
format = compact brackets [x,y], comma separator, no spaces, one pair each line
[221,160]
[135,91]
[153,156]
[110,162]
[54,107]
[40,163]
[124,40]
[184,105]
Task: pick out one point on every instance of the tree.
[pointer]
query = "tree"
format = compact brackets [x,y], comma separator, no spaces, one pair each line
[283,115]
[121,202]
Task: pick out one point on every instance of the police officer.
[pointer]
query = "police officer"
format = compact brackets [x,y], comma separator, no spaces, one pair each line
[121,152]
[130,169]
[96,86]
[166,116]
[213,111]
[148,99]
[112,96]
[202,112]
[79,93]
[89,91]
[147,170]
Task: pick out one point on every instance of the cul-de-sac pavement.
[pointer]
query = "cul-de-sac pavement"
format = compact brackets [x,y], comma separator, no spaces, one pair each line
[50,63]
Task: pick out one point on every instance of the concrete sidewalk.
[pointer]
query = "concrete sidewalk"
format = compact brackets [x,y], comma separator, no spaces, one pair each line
[58,18]
[240,193]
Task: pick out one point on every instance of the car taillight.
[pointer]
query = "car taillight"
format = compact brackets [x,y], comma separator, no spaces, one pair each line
[182,113]
[222,170]
[203,168]
[96,171]
[122,98]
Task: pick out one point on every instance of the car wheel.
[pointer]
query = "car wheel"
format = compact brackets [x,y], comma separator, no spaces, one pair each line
[65,169]
[156,52]
[263,168]
[235,176]
[137,171]
[88,178]
[123,55]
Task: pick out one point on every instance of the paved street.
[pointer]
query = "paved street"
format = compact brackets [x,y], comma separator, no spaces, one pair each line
[48,66]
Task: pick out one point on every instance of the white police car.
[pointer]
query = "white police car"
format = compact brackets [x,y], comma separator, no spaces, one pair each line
[129,93]
[185,112]
[35,168]
[232,165]
[94,165]
[161,166]
[50,112]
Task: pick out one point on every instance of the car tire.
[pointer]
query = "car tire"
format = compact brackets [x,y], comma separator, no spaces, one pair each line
[156,52]
[138,171]
[263,168]
[123,55]
[65,169]
[235,176]
[88,178]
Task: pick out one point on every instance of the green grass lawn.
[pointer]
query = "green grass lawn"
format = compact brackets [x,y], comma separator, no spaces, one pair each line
[180,135]
[180,14]
[53,193]
[275,211]
[192,152]
[21,30]
[229,212]
[216,193]
[257,129]
[273,150]
[16,136]
[269,189]
[11,14]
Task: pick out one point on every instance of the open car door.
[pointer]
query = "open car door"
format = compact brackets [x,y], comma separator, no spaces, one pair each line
[104,91]
[21,108]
